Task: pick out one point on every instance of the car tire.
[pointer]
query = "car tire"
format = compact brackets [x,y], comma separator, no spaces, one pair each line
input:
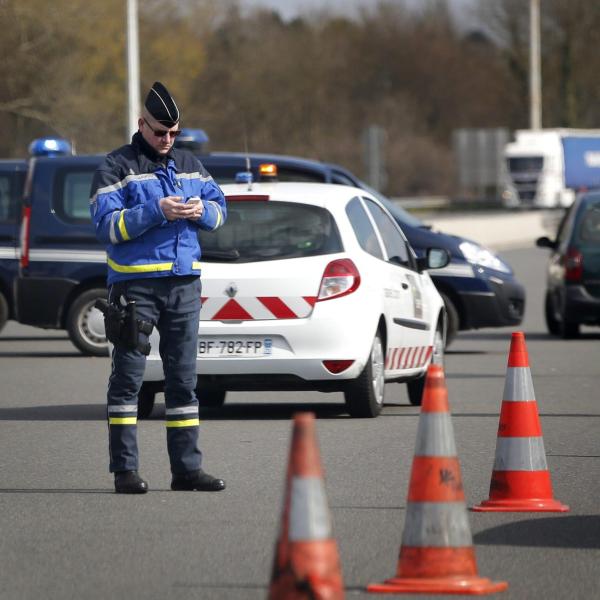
[85,323]
[146,398]
[364,395]
[452,319]
[551,321]
[3,311]
[210,396]
[568,329]
[415,387]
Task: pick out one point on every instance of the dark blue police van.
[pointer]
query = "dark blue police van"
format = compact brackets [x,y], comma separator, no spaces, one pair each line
[54,276]
[12,180]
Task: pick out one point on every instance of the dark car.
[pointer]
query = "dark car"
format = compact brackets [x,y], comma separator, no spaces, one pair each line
[478,287]
[573,275]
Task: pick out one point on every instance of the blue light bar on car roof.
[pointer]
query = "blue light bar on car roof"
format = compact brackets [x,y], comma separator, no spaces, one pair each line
[243,177]
[50,147]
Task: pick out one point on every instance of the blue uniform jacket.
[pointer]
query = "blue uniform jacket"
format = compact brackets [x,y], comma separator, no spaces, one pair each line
[125,210]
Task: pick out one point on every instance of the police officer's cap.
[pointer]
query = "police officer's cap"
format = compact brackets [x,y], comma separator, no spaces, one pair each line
[161,105]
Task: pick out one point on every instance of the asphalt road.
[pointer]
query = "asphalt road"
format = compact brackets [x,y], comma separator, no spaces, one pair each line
[65,535]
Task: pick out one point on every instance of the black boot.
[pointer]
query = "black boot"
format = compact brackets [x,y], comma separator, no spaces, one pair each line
[129,482]
[197,481]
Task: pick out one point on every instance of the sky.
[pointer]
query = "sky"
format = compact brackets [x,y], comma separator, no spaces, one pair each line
[291,8]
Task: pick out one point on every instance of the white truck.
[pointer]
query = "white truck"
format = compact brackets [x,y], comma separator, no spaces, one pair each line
[546,168]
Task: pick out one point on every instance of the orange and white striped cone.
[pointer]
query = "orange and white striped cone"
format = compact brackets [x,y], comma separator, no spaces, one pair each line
[520,477]
[436,555]
[306,564]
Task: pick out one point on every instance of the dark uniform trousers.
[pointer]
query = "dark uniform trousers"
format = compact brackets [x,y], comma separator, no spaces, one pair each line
[172,304]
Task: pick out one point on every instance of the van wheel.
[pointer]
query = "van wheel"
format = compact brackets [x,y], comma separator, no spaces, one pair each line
[146,397]
[364,395]
[85,323]
[210,395]
[3,311]
[452,319]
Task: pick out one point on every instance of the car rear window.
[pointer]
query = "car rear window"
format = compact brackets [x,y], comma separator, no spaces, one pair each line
[589,228]
[264,230]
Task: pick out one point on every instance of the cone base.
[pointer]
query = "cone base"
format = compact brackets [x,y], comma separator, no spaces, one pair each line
[438,585]
[522,505]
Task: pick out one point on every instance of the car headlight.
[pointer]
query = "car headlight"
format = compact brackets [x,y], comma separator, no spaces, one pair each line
[478,255]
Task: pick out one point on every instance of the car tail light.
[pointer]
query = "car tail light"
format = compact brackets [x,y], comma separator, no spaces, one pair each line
[337,366]
[340,278]
[573,265]
[25,237]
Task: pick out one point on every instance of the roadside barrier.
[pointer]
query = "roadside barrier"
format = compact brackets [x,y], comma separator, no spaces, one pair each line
[520,477]
[306,563]
[436,555]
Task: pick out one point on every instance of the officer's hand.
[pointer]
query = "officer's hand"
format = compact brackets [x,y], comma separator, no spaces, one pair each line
[172,207]
[196,208]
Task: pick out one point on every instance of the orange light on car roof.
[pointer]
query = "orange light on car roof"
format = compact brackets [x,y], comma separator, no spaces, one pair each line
[267,170]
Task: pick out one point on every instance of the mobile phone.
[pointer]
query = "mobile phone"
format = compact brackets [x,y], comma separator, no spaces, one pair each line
[193,200]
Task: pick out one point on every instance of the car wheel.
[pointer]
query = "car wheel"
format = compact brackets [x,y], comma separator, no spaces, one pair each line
[364,395]
[551,322]
[416,386]
[568,329]
[146,398]
[210,396]
[3,311]
[452,319]
[85,324]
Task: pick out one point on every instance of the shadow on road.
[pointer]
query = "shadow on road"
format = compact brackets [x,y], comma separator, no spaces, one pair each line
[233,412]
[54,354]
[33,338]
[534,335]
[551,532]
[57,412]
[54,491]
[245,412]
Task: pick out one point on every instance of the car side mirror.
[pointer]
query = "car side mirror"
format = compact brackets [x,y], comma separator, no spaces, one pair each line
[435,258]
[545,242]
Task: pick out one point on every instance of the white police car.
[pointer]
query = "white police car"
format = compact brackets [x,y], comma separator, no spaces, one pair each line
[311,286]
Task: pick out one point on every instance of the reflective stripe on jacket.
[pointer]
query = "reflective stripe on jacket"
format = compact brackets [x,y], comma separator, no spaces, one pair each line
[126,214]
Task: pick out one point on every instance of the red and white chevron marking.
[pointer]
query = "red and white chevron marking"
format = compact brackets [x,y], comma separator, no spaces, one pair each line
[408,357]
[258,308]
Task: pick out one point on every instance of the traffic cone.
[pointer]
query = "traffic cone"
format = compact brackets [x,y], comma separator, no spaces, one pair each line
[436,555]
[306,563]
[520,477]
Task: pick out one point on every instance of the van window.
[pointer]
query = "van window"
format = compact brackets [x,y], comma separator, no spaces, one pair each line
[8,204]
[264,230]
[72,195]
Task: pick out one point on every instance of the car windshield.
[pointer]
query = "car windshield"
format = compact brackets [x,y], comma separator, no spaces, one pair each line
[266,230]
[525,164]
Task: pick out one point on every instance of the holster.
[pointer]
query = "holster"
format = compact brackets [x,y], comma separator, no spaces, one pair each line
[122,326]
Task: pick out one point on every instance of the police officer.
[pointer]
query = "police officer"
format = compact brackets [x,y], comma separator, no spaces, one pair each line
[148,202]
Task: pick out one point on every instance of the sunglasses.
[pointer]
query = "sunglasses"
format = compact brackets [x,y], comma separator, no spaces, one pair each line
[162,132]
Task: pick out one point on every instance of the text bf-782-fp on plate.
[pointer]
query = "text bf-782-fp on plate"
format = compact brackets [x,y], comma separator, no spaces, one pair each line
[234,346]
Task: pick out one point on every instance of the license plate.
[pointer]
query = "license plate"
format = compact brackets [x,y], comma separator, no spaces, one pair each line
[235,346]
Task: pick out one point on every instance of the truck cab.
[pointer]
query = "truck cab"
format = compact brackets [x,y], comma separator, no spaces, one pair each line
[546,168]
